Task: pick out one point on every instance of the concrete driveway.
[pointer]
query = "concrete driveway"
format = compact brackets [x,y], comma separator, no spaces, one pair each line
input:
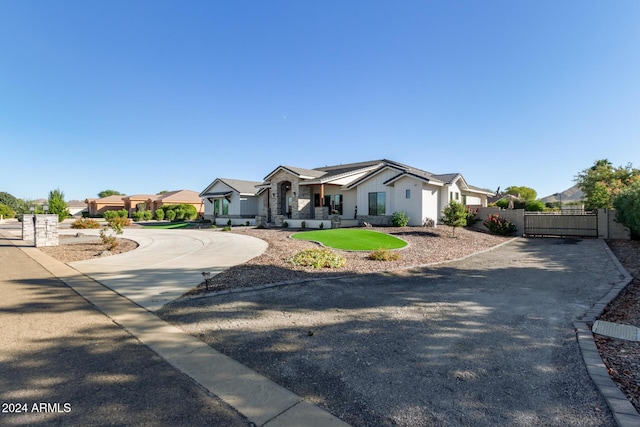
[168,262]
[484,341]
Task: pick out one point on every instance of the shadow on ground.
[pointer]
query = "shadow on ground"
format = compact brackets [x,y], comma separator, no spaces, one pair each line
[484,341]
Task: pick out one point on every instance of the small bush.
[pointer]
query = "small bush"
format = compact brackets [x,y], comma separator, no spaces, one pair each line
[119,222]
[499,225]
[321,225]
[214,226]
[385,255]
[400,219]
[227,228]
[85,223]
[318,258]
[147,215]
[535,206]
[285,224]
[122,213]
[303,225]
[170,215]
[159,214]
[247,223]
[137,216]
[229,222]
[472,217]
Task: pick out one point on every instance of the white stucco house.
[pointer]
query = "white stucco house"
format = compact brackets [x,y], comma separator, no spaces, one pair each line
[357,192]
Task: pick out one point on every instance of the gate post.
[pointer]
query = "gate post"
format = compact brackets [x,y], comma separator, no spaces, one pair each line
[603,223]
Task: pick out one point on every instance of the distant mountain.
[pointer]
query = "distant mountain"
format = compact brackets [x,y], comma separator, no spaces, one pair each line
[573,194]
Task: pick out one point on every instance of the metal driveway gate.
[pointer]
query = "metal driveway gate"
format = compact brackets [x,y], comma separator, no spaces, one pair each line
[563,225]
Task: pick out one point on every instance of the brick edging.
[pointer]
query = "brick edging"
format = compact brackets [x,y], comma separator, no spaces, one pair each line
[623,411]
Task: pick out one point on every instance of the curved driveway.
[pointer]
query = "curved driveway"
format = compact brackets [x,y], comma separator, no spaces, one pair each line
[168,263]
[484,341]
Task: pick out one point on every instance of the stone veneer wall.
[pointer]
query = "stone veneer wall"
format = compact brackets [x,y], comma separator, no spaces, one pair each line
[28,227]
[382,220]
[46,230]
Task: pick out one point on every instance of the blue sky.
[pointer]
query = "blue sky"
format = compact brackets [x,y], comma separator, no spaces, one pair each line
[144,96]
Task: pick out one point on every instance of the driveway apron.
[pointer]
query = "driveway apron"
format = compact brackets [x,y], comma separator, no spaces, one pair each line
[168,263]
[484,341]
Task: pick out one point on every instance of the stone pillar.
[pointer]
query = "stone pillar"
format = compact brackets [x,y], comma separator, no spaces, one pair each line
[28,227]
[46,230]
[335,221]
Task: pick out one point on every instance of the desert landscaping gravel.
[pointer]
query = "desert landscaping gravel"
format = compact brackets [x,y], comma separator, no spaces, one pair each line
[480,342]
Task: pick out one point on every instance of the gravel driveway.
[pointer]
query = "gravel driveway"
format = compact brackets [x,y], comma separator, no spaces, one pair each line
[483,341]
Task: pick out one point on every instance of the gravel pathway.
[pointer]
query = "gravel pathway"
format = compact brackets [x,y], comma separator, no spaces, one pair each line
[480,342]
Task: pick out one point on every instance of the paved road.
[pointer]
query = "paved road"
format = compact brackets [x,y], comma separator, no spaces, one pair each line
[485,341]
[56,348]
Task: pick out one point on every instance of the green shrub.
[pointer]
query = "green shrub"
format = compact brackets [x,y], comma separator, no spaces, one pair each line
[159,214]
[247,223]
[321,225]
[318,258]
[108,215]
[182,211]
[137,216]
[285,224]
[454,215]
[147,215]
[6,211]
[385,255]
[400,219]
[627,205]
[303,225]
[229,222]
[170,215]
[85,223]
[227,228]
[499,225]
[535,206]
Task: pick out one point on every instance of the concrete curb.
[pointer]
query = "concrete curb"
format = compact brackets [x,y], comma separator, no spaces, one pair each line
[623,411]
[259,399]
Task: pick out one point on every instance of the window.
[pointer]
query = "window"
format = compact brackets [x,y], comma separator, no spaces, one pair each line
[216,207]
[457,196]
[225,207]
[337,203]
[407,193]
[450,195]
[377,203]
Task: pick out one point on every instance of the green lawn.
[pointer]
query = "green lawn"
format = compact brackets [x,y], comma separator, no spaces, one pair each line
[353,239]
[169,225]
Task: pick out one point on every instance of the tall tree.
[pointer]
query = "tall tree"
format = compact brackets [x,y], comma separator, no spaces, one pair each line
[57,205]
[602,182]
[9,200]
[107,193]
[522,192]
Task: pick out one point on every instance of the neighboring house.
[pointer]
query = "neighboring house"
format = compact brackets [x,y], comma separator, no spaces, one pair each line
[231,198]
[357,192]
[77,207]
[178,197]
[131,203]
[98,207]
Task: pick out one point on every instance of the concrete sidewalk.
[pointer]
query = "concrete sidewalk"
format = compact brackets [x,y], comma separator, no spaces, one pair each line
[260,400]
[57,349]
